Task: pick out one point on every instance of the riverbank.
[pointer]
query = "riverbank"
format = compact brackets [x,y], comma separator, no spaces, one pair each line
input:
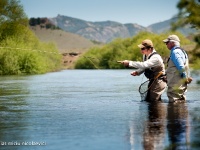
[69,59]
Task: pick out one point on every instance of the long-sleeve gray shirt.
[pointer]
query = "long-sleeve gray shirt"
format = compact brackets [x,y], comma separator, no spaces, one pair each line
[155,60]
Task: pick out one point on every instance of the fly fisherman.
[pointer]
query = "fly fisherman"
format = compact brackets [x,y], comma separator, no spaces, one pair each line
[153,68]
[177,70]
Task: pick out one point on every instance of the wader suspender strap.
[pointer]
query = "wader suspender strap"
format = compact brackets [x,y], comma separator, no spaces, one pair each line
[184,52]
[145,57]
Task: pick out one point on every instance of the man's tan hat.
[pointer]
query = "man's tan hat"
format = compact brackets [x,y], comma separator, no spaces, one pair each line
[173,38]
[146,43]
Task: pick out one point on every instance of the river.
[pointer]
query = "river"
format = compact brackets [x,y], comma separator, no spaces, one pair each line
[93,110]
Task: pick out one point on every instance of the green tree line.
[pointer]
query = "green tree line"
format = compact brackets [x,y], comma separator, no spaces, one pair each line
[106,57]
[20,50]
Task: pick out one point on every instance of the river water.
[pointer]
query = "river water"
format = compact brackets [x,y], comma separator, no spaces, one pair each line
[93,110]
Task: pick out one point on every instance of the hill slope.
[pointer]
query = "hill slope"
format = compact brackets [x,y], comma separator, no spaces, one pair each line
[69,44]
[66,42]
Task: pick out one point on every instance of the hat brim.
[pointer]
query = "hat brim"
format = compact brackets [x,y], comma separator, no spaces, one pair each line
[141,46]
[166,40]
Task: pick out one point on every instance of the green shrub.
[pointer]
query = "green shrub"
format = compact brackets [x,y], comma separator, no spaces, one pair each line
[24,54]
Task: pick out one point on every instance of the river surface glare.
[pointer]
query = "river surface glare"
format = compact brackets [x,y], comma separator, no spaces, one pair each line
[93,110]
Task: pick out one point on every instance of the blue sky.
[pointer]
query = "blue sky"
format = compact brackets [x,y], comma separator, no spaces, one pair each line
[142,12]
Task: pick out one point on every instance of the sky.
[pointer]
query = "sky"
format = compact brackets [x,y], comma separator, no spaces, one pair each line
[142,12]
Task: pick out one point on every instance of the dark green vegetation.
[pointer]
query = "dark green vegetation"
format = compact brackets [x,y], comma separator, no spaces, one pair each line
[20,50]
[106,57]
[42,22]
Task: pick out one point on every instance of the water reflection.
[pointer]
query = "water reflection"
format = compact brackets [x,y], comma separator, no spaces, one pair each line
[154,133]
[12,113]
[165,126]
[178,126]
[195,118]
[148,129]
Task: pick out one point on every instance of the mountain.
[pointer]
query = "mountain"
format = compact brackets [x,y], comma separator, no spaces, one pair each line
[165,26]
[106,31]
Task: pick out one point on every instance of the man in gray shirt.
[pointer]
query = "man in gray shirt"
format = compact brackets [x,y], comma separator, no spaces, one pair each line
[152,66]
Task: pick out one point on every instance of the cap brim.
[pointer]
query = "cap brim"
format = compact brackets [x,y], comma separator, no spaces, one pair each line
[166,40]
[141,46]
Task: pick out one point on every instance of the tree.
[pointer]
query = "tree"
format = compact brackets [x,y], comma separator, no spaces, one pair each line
[32,22]
[189,12]
[11,10]
[11,15]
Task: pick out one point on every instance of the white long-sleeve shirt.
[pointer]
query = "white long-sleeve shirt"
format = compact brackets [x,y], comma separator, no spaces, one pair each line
[153,61]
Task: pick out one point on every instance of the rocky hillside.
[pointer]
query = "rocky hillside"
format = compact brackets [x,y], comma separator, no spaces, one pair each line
[106,31]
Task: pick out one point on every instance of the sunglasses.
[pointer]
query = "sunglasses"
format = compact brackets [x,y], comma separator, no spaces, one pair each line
[143,48]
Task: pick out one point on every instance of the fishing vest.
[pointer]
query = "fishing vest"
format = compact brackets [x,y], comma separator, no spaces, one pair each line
[150,73]
[172,72]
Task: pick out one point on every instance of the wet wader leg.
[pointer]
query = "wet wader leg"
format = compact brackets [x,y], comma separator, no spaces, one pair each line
[156,90]
[176,93]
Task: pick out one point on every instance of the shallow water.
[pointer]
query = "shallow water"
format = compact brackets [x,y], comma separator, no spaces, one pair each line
[92,110]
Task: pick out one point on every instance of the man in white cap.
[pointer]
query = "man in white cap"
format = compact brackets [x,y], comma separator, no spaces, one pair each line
[177,70]
[152,66]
